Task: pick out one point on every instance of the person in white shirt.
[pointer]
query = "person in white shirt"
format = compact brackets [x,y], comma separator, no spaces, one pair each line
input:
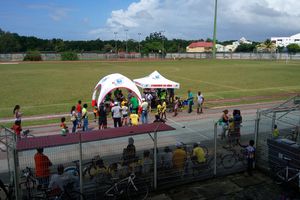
[61,179]
[200,101]
[145,108]
[116,114]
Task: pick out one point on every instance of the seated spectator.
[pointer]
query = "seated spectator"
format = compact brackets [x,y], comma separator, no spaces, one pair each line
[98,168]
[275,132]
[166,158]
[129,154]
[60,180]
[198,154]
[179,157]
[158,119]
[147,163]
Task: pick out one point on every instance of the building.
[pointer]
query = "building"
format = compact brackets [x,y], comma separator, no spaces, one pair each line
[200,47]
[285,41]
[232,47]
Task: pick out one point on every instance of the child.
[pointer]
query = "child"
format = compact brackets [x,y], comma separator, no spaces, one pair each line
[176,106]
[124,113]
[163,110]
[63,126]
[96,113]
[17,129]
[250,154]
[134,119]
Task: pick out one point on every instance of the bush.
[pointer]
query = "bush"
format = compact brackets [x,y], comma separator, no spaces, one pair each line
[33,56]
[69,56]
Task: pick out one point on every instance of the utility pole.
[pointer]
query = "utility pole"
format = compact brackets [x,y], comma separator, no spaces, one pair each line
[163,43]
[215,30]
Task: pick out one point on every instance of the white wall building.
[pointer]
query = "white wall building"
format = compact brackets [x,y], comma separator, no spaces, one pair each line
[284,41]
[232,47]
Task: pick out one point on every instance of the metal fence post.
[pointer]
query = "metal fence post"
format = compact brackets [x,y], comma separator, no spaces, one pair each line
[215,148]
[256,127]
[80,164]
[155,160]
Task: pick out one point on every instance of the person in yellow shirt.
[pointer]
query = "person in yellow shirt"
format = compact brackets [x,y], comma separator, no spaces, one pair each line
[179,157]
[163,110]
[198,154]
[275,132]
[134,119]
[158,109]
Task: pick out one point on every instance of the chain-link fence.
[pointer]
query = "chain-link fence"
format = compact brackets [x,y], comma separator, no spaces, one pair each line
[193,151]
[52,56]
[277,138]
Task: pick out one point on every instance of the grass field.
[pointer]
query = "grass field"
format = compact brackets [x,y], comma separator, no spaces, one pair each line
[53,87]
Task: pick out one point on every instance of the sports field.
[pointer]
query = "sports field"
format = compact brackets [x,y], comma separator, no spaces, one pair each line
[53,87]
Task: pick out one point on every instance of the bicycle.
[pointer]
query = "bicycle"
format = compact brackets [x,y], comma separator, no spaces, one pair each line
[7,192]
[74,169]
[293,135]
[286,174]
[230,160]
[129,187]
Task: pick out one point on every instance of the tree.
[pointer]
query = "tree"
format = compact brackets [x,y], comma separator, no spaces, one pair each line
[9,43]
[245,48]
[293,48]
[267,46]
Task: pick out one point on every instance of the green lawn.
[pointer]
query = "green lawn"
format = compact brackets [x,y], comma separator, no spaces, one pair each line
[53,87]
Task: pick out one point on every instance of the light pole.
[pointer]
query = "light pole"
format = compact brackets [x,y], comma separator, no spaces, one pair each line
[215,30]
[139,42]
[163,43]
[126,30]
[116,47]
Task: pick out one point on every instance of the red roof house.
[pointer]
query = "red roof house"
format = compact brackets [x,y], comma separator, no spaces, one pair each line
[200,47]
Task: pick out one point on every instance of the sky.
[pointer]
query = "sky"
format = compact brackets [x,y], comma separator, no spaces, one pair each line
[255,20]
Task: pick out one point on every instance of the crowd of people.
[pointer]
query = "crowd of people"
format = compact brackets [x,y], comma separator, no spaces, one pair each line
[177,160]
[128,110]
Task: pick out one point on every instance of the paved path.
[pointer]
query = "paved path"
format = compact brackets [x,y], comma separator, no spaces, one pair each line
[237,186]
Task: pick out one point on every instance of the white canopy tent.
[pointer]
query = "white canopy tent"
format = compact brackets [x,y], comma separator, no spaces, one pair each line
[111,82]
[155,80]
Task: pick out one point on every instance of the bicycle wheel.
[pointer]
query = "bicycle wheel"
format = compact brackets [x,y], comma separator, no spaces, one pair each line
[228,161]
[73,195]
[204,149]
[138,190]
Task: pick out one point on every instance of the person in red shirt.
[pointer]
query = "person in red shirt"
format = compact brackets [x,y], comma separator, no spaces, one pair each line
[17,129]
[42,164]
[79,113]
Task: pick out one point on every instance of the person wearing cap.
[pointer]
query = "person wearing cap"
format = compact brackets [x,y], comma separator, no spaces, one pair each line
[61,179]
[42,165]
[124,113]
[145,109]
[179,157]
[116,114]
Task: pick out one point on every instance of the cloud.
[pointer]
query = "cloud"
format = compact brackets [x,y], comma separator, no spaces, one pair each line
[193,19]
[55,12]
